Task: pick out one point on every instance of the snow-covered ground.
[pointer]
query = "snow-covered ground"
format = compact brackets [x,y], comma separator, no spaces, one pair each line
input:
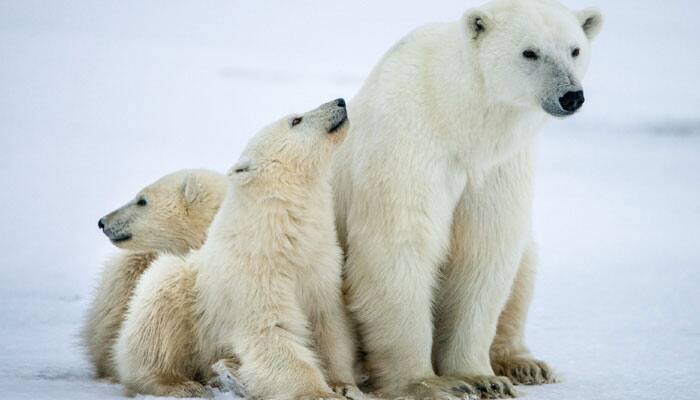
[99,98]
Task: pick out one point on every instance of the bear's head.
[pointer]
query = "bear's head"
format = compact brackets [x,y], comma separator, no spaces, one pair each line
[532,54]
[292,154]
[171,215]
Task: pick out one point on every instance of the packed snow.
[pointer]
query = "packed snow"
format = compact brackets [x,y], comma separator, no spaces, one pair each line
[100,98]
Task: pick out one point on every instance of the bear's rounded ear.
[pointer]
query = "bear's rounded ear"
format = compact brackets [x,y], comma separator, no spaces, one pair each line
[476,22]
[591,21]
[242,169]
[192,188]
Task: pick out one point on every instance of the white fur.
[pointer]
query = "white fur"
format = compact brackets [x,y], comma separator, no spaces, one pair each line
[264,292]
[180,208]
[433,188]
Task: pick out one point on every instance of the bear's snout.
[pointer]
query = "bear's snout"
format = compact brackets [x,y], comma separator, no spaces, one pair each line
[572,101]
[116,231]
[338,115]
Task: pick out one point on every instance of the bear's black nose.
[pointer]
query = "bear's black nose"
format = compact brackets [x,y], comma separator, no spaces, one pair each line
[572,101]
[340,102]
[100,224]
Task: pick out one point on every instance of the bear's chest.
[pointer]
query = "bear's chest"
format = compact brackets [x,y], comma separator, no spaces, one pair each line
[482,144]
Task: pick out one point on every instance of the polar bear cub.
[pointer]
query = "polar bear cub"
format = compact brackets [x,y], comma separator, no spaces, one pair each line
[265,289]
[171,216]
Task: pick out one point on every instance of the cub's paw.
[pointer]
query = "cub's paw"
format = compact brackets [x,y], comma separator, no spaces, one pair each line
[226,378]
[492,387]
[443,388]
[347,390]
[524,370]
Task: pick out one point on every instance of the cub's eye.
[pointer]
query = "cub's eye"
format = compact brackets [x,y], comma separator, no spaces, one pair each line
[530,55]
[296,121]
[575,52]
[141,202]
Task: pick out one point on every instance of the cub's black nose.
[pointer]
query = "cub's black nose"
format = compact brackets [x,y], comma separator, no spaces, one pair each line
[572,101]
[340,102]
[100,224]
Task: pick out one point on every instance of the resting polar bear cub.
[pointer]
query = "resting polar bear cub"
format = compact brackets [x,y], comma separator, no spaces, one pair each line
[170,216]
[433,194]
[265,287]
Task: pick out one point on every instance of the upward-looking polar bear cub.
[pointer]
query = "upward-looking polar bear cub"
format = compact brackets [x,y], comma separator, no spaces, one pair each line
[269,270]
[170,216]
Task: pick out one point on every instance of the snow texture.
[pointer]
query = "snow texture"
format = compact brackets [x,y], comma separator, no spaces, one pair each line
[100,98]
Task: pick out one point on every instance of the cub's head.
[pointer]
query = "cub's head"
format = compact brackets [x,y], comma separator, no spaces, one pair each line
[171,215]
[533,53]
[293,153]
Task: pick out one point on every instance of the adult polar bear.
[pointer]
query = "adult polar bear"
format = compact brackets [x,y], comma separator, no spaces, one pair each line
[434,190]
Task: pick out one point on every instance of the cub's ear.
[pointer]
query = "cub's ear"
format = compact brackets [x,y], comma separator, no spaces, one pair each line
[243,169]
[192,188]
[591,21]
[477,23]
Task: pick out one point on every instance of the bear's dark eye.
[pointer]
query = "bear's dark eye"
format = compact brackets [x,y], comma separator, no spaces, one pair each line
[530,55]
[141,202]
[575,52]
[296,121]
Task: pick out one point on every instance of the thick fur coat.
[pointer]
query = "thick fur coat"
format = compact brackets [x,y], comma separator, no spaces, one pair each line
[434,194]
[264,292]
[169,216]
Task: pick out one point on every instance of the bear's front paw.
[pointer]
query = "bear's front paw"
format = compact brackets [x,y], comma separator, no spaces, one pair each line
[524,370]
[492,387]
[443,388]
[348,391]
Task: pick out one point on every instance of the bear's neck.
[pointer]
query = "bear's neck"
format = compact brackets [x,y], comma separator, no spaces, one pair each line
[274,224]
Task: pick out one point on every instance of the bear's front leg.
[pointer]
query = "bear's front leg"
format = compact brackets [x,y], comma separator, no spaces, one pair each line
[272,341]
[332,331]
[509,355]
[109,307]
[155,351]
[398,235]
[490,231]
